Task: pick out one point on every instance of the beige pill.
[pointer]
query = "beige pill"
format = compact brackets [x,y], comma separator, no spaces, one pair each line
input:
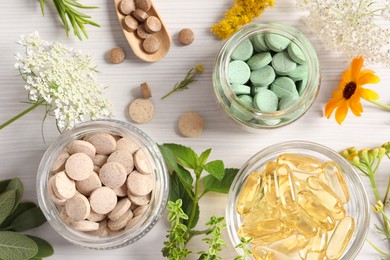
[139,200]
[79,166]
[126,6]
[127,144]
[103,142]
[116,55]
[145,90]
[186,36]
[144,5]
[52,195]
[130,23]
[99,159]
[96,217]
[65,217]
[85,225]
[96,169]
[151,44]
[120,222]
[191,124]
[103,200]
[140,15]
[141,162]
[121,208]
[141,110]
[59,163]
[141,33]
[140,184]
[121,191]
[77,207]
[140,210]
[113,175]
[152,24]
[81,146]
[88,185]
[124,158]
[102,231]
[133,222]
[63,186]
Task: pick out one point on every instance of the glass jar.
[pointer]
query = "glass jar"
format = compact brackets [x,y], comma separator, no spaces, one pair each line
[251,117]
[357,206]
[158,198]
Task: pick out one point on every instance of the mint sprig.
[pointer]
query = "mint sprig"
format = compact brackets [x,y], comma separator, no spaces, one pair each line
[17,216]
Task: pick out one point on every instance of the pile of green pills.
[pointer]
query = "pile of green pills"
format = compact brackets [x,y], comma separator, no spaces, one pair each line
[268,72]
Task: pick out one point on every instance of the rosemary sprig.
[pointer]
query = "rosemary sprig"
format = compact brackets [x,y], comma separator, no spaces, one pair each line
[67,11]
[189,78]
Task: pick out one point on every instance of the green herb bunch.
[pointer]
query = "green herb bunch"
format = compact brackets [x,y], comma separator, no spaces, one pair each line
[185,194]
[16,217]
[368,162]
[67,10]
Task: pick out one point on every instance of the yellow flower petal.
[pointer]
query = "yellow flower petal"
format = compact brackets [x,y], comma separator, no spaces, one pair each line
[368,94]
[356,106]
[346,77]
[367,77]
[341,112]
[332,105]
[356,66]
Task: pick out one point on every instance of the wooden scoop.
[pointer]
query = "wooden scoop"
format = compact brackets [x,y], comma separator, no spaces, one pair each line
[136,43]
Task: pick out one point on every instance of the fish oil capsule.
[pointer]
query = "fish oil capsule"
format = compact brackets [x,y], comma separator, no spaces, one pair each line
[304,225]
[327,197]
[263,210]
[286,231]
[317,246]
[250,193]
[339,240]
[291,244]
[301,163]
[335,179]
[318,213]
[286,186]
[270,183]
[266,253]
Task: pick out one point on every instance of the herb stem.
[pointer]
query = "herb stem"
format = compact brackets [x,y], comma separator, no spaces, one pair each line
[32,107]
[196,200]
[380,104]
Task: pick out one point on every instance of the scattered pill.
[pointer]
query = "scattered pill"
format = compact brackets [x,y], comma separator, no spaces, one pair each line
[140,210]
[120,209]
[93,216]
[296,53]
[63,186]
[127,144]
[141,110]
[52,195]
[145,90]
[104,143]
[284,86]
[81,146]
[238,72]
[258,42]
[88,185]
[276,42]
[186,36]
[283,64]
[139,200]
[59,163]
[85,225]
[262,77]
[259,60]
[116,55]
[151,44]
[124,158]
[142,33]
[241,89]
[126,7]
[152,24]
[121,221]
[141,162]
[133,222]
[191,124]
[130,23]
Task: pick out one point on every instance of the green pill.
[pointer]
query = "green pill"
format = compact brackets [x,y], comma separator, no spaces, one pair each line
[301,85]
[243,51]
[266,101]
[277,42]
[258,42]
[296,53]
[287,102]
[262,77]
[283,64]
[284,86]
[299,73]
[246,100]
[259,60]
[241,90]
[238,72]
[255,90]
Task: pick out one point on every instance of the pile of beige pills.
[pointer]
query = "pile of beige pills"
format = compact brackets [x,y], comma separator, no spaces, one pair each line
[138,20]
[102,184]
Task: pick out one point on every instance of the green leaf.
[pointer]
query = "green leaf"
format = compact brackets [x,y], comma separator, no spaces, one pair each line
[204,156]
[4,184]
[22,207]
[16,185]
[178,191]
[42,3]
[16,246]
[211,183]
[215,168]
[29,219]
[7,202]
[44,248]
[184,155]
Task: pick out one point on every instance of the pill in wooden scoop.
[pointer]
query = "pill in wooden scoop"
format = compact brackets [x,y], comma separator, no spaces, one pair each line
[136,43]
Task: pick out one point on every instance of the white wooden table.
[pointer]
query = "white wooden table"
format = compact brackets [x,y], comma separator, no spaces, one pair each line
[21,145]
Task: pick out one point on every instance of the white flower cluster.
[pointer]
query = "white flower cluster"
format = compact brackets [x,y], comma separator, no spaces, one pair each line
[62,79]
[353,27]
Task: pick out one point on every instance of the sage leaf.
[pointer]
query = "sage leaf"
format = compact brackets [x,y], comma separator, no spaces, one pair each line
[22,207]
[17,185]
[4,184]
[16,246]
[204,156]
[184,155]
[215,168]
[7,202]
[44,248]
[210,183]
[29,219]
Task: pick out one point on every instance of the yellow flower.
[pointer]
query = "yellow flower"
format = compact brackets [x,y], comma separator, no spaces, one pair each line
[199,68]
[350,90]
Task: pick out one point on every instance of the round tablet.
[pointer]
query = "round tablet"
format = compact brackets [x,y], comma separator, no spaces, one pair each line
[88,185]
[241,89]
[116,55]
[141,162]
[296,53]
[81,146]
[99,159]
[133,222]
[139,200]
[130,23]
[124,158]
[186,36]
[93,216]
[299,73]
[85,225]
[141,110]
[59,163]
[266,101]
[140,184]
[52,195]
[79,166]
[287,101]
[276,42]
[144,5]
[141,33]
[151,44]
[113,175]
[263,77]
[120,209]
[77,208]
[283,64]
[258,42]
[284,86]
[140,210]
[121,221]
[63,186]
[140,15]
[126,7]
[238,72]
[104,143]
[121,191]
[102,231]
[152,24]
[191,124]
[243,51]
[103,200]
[259,60]
[127,144]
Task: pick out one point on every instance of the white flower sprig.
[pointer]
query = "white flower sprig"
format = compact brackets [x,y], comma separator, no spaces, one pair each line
[61,79]
[353,27]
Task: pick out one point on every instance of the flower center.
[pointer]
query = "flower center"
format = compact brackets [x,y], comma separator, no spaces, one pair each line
[349,90]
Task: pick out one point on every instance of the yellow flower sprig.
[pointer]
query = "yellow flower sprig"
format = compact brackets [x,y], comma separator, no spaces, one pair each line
[243,12]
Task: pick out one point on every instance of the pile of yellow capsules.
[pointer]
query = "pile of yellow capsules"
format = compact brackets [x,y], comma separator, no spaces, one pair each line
[295,208]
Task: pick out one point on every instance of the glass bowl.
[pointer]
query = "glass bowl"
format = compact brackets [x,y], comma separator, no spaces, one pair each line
[249,116]
[357,206]
[158,199]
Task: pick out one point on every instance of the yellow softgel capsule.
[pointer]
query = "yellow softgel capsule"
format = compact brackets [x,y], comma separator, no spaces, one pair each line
[334,176]
[266,253]
[304,224]
[318,245]
[250,194]
[291,244]
[286,186]
[301,163]
[339,240]
[262,210]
